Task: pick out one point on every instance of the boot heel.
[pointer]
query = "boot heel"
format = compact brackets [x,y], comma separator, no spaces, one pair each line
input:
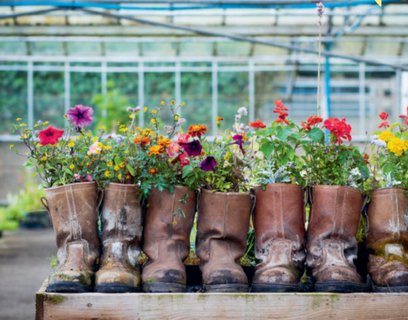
[231,287]
[115,288]
[68,287]
[276,288]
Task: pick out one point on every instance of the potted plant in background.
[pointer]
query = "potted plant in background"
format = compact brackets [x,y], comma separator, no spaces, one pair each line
[164,151]
[279,217]
[61,160]
[387,235]
[224,210]
[121,210]
[336,173]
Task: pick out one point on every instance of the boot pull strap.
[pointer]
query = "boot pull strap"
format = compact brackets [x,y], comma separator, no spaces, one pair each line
[45,203]
[101,195]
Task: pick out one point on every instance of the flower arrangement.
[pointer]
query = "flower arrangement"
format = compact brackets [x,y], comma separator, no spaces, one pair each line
[60,156]
[389,154]
[278,159]
[328,161]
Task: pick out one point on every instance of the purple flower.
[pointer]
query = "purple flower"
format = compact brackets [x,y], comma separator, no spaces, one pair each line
[208,164]
[239,140]
[192,148]
[133,110]
[320,9]
[80,116]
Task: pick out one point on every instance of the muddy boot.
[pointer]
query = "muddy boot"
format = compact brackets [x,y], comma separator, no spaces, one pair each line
[222,228]
[331,238]
[168,224]
[73,211]
[387,239]
[279,222]
[121,233]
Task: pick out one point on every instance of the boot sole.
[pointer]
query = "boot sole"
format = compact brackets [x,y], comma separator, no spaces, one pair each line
[390,289]
[230,287]
[115,288]
[340,287]
[264,287]
[68,287]
[163,287]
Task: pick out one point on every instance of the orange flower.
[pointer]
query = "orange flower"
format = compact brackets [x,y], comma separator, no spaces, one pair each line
[197,130]
[155,150]
[164,142]
[142,140]
[153,171]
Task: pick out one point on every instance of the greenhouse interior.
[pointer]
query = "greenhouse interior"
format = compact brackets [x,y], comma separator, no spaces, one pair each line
[213,56]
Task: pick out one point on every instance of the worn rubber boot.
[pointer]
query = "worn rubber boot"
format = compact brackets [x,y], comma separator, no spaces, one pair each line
[121,234]
[387,239]
[73,211]
[331,238]
[279,222]
[222,228]
[168,223]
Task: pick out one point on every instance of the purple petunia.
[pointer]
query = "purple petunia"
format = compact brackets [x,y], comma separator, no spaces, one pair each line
[239,140]
[192,148]
[80,116]
[208,164]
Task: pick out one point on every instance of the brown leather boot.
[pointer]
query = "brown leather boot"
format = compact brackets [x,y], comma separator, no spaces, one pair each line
[121,233]
[279,223]
[73,210]
[222,228]
[168,223]
[331,238]
[388,239]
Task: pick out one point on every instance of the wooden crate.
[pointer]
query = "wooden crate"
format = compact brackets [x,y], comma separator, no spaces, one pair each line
[221,306]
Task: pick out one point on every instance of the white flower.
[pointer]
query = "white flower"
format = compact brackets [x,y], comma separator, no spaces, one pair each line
[242,111]
[378,142]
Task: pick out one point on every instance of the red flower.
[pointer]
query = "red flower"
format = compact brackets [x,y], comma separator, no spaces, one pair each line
[384,124]
[257,124]
[183,159]
[50,135]
[281,110]
[405,117]
[197,130]
[183,138]
[311,121]
[339,129]
[383,116]
[366,158]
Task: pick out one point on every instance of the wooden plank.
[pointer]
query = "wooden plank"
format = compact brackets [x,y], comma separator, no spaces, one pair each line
[223,306]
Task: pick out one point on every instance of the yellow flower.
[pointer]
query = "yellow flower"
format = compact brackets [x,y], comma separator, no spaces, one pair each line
[44,158]
[123,129]
[71,143]
[107,174]
[176,117]
[24,137]
[106,148]
[397,146]
[45,123]
[36,125]
[183,104]
[155,150]
[132,116]
[173,102]
[71,166]
[120,176]
[122,165]
[11,146]
[227,156]
[23,125]
[165,142]
[110,163]
[145,109]
[162,102]
[154,111]
[153,121]
[147,132]
[116,168]
[385,136]
[19,119]
[153,171]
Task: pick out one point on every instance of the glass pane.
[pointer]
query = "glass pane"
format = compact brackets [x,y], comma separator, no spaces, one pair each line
[232,94]
[158,87]
[13,99]
[196,93]
[47,48]
[49,97]
[13,47]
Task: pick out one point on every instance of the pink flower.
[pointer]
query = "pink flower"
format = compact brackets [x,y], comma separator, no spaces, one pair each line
[50,135]
[184,159]
[80,116]
[95,148]
[89,178]
[405,117]
[183,138]
[173,149]
[77,177]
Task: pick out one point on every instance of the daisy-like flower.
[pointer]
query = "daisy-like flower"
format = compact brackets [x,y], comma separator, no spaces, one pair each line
[50,135]
[155,150]
[81,116]
[95,148]
[208,164]
[197,130]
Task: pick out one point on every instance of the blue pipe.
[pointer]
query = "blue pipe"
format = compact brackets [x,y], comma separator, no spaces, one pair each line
[208,6]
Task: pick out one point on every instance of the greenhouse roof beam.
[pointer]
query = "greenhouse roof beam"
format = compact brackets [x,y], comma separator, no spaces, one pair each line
[245,39]
[29,13]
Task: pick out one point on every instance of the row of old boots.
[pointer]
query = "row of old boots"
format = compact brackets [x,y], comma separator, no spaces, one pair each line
[328,248]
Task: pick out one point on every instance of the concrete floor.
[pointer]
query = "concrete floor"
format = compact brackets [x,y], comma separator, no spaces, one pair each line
[24,264]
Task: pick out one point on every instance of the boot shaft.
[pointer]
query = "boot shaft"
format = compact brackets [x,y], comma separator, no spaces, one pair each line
[121,213]
[279,213]
[73,211]
[335,212]
[387,218]
[223,218]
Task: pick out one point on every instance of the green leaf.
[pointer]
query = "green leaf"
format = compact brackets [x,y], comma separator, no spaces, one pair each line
[283,133]
[187,170]
[130,169]
[267,148]
[316,135]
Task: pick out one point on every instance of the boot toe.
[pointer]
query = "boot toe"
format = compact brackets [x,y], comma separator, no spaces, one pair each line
[125,277]
[281,275]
